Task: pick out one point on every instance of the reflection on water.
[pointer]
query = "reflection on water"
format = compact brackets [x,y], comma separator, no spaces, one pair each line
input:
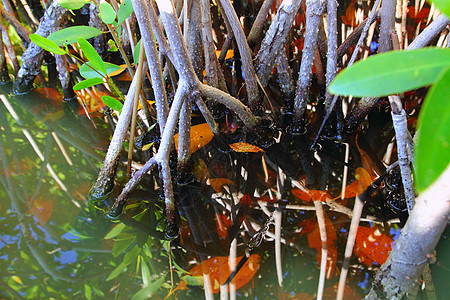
[55,245]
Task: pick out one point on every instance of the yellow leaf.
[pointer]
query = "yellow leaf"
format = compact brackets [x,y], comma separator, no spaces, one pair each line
[200,136]
[122,68]
[17,279]
[230,54]
[245,147]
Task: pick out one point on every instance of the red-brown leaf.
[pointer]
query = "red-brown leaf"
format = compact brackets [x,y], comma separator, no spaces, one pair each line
[201,135]
[245,147]
[374,244]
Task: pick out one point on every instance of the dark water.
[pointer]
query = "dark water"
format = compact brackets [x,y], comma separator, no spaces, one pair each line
[53,245]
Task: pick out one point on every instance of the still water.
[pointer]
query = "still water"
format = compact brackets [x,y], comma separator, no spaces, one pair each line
[55,245]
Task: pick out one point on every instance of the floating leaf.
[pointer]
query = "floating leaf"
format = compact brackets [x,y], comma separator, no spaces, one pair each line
[201,135]
[73,4]
[432,152]
[91,54]
[218,183]
[87,83]
[125,10]
[218,270]
[391,73]
[112,103]
[374,244]
[71,34]
[245,147]
[107,13]
[46,44]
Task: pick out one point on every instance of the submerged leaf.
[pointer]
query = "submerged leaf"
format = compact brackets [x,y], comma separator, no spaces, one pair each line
[245,147]
[201,135]
[374,244]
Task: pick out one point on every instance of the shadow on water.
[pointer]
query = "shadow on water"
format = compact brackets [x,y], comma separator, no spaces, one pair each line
[55,245]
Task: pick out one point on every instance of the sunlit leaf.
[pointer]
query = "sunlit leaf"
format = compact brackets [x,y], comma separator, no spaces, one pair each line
[122,68]
[112,103]
[230,54]
[71,34]
[201,135]
[145,271]
[218,183]
[432,152]
[116,272]
[91,54]
[391,73]
[87,70]
[124,11]
[73,4]
[17,279]
[374,244]
[115,231]
[87,83]
[46,44]
[442,5]
[245,147]
[107,13]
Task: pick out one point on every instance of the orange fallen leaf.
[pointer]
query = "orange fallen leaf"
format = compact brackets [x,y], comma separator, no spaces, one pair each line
[230,54]
[374,244]
[218,183]
[308,195]
[245,147]
[201,135]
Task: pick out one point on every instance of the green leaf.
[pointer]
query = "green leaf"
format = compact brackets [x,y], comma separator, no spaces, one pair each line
[137,50]
[131,255]
[87,83]
[116,272]
[87,292]
[88,72]
[46,44]
[148,292]
[145,273]
[112,103]
[121,245]
[391,73]
[115,231]
[125,10]
[73,4]
[70,35]
[442,5]
[433,142]
[91,54]
[107,13]
[193,280]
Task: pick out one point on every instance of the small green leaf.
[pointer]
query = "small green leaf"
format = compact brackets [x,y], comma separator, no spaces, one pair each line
[112,46]
[46,44]
[87,292]
[87,83]
[91,54]
[88,72]
[116,272]
[442,5]
[73,4]
[137,51]
[107,13]
[70,35]
[432,152]
[125,10]
[148,292]
[145,273]
[131,255]
[115,231]
[391,73]
[112,103]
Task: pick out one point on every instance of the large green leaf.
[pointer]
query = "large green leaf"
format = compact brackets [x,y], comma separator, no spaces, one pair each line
[107,13]
[87,70]
[87,83]
[91,54]
[112,103]
[125,10]
[391,73]
[442,5]
[433,141]
[46,44]
[70,35]
[73,4]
